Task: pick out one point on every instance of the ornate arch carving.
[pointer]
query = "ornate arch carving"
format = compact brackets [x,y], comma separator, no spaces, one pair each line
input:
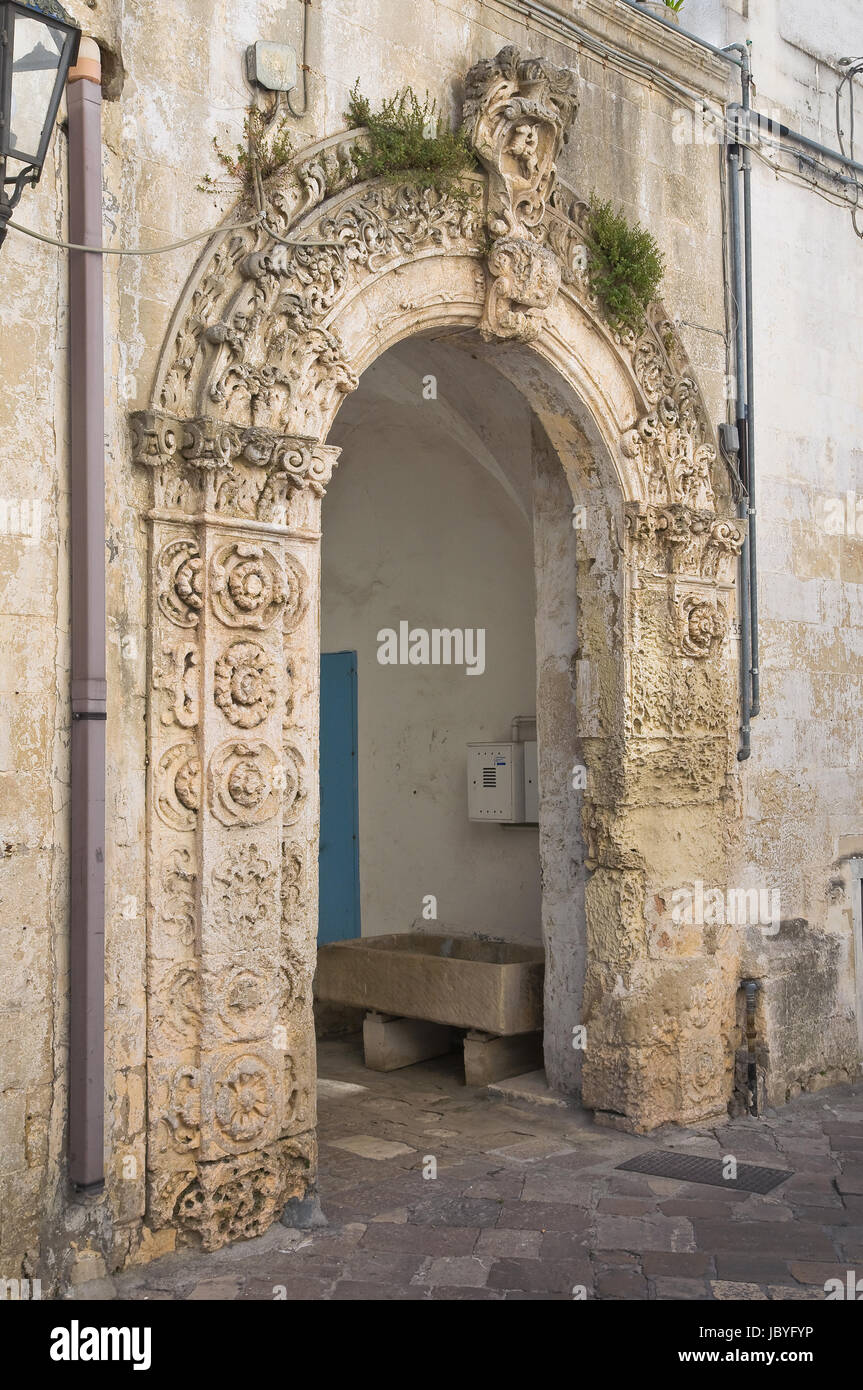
[252,373]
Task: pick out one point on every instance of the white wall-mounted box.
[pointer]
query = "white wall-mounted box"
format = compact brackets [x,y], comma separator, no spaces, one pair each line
[272,65]
[495,782]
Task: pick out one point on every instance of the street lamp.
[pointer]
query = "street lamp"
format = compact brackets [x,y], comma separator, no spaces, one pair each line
[38,44]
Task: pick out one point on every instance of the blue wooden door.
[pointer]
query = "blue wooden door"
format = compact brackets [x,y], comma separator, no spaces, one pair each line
[339,854]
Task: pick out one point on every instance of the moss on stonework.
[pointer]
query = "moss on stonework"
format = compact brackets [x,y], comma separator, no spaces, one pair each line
[408,138]
[625,266]
[267,147]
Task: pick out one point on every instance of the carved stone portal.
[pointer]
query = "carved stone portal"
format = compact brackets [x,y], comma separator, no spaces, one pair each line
[251,376]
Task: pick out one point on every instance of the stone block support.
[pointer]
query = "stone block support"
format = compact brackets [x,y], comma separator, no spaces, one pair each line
[488,1059]
[391,1043]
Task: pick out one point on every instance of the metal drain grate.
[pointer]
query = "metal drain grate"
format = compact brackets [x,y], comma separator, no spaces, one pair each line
[691,1168]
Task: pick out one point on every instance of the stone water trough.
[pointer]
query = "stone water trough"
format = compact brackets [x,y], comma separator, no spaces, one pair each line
[418,988]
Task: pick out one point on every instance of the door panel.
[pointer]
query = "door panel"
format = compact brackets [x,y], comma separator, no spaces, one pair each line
[339,854]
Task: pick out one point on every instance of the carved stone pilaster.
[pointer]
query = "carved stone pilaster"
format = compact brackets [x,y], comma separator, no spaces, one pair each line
[232,820]
[680,565]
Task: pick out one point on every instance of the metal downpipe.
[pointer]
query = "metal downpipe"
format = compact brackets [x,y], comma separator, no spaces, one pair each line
[88,686]
[737,276]
[751,535]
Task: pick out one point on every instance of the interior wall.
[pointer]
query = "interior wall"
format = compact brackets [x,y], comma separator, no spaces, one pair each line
[427,521]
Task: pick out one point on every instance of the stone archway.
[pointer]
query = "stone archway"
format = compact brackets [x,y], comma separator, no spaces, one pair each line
[266,342]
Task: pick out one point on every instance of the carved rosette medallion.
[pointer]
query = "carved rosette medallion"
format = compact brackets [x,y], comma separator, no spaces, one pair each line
[245,1102]
[245,684]
[180,581]
[245,783]
[702,625]
[178,781]
[247,586]
[243,1002]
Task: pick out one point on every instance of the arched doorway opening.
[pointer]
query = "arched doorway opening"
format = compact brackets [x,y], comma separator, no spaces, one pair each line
[435,541]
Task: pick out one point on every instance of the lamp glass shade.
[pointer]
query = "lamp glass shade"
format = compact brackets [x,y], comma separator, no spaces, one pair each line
[37,55]
[38,44]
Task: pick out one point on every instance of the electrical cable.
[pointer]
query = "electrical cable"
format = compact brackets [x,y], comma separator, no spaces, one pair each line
[530,11]
[132,250]
[172,246]
[854,67]
[835,199]
[304,67]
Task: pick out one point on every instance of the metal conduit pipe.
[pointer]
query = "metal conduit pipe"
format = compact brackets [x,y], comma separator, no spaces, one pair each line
[89,686]
[752,532]
[741,255]
[750,990]
[740,171]
[738,285]
[777,128]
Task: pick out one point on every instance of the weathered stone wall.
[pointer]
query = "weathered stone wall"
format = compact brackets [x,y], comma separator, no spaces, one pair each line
[802,791]
[175,82]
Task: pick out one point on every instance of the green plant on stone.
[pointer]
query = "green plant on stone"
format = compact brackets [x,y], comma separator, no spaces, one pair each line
[408,138]
[625,266]
[269,147]
[675,5]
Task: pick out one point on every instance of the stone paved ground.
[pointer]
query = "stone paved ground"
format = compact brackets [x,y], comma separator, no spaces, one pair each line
[528,1204]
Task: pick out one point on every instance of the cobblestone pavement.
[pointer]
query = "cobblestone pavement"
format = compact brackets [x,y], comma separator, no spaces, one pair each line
[528,1203]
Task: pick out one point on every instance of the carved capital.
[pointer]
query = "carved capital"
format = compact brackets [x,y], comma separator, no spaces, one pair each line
[679,540]
[237,470]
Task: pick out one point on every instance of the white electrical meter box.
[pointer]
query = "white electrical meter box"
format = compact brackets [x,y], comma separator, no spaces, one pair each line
[272,65]
[495,782]
[531,784]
